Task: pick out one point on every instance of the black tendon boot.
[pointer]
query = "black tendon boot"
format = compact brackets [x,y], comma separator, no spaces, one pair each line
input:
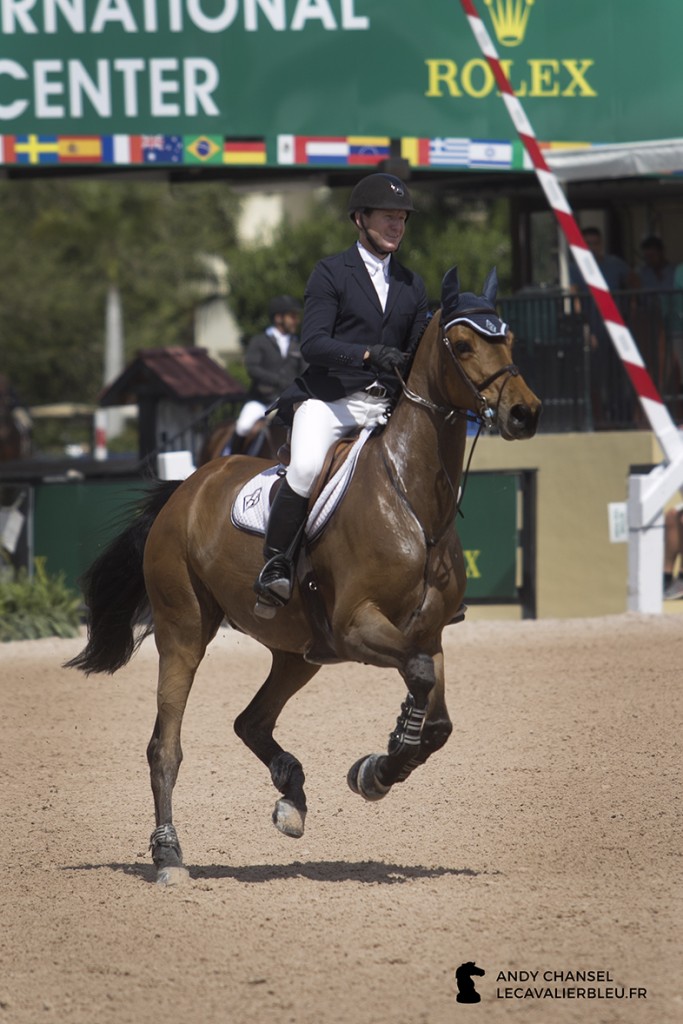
[283,534]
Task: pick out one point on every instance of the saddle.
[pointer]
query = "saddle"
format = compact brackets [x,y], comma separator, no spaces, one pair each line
[336,456]
[252,504]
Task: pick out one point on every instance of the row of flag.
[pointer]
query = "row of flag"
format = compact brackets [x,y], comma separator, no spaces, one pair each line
[291,150]
[451,152]
[131,149]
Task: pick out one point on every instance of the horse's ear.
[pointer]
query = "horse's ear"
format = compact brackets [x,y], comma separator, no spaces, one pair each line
[491,286]
[450,289]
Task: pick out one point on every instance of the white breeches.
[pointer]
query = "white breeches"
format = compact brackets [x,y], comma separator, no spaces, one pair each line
[318,424]
[250,414]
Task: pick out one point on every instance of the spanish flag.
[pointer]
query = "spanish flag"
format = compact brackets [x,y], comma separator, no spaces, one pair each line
[79,149]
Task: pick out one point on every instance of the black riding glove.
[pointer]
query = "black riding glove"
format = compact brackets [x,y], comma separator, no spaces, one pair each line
[387,358]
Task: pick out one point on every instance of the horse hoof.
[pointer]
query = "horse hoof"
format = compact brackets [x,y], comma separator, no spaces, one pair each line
[172,876]
[288,820]
[363,780]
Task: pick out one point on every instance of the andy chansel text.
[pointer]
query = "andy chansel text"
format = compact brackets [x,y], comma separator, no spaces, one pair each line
[563,985]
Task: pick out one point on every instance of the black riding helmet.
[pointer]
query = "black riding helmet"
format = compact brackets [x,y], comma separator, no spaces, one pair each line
[282,304]
[380,192]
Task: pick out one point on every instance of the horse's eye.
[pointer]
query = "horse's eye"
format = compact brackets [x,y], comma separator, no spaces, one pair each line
[462,347]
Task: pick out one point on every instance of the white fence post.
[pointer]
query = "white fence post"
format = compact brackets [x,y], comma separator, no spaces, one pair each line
[645,552]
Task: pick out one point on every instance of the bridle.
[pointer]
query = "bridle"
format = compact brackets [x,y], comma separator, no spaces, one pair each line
[486,414]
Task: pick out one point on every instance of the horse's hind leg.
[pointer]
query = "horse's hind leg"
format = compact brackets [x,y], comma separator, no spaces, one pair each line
[181,649]
[423,726]
[289,672]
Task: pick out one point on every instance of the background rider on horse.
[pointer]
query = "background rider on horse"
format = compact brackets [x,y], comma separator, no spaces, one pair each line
[273,359]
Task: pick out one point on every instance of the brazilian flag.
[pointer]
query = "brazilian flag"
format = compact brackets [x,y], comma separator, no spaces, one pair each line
[203,149]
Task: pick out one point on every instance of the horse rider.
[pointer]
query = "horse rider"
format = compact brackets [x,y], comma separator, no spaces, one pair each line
[273,359]
[364,313]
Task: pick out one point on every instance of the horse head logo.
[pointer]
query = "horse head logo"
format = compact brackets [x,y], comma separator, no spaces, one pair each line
[467,993]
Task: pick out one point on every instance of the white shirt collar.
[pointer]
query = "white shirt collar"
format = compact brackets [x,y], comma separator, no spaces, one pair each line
[280,339]
[374,263]
[276,334]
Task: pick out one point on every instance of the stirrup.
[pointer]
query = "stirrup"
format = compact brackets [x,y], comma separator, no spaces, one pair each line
[274,583]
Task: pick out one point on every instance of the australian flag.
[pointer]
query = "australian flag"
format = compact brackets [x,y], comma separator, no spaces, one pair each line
[162,149]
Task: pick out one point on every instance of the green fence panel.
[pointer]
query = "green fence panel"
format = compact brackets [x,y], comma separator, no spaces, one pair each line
[489,535]
[74,521]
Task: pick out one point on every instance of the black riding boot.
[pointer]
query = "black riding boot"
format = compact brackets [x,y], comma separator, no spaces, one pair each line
[237,444]
[283,534]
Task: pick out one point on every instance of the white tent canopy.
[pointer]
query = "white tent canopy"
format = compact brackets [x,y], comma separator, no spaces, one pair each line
[618,160]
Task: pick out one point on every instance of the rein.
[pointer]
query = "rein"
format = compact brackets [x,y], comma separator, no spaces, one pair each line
[486,413]
[484,417]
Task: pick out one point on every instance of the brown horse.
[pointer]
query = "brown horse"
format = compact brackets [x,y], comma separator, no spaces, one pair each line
[388,571]
[264,440]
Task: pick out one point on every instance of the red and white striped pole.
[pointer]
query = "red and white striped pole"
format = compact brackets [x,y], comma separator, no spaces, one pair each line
[657,414]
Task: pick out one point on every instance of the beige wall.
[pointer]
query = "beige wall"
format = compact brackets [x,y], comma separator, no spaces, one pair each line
[579,572]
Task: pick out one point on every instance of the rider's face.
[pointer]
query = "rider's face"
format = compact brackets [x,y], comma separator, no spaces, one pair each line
[290,323]
[386,228]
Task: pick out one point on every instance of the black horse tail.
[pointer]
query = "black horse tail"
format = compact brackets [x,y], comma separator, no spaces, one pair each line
[115,594]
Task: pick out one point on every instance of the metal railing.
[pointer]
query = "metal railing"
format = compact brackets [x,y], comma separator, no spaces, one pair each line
[568,358]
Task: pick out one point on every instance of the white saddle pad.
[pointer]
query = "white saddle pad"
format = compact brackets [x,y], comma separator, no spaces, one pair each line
[252,504]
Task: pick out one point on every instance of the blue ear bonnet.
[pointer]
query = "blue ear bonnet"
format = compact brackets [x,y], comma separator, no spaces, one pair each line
[477,311]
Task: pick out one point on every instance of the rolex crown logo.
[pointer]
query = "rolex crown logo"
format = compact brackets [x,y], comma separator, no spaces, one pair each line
[509,19]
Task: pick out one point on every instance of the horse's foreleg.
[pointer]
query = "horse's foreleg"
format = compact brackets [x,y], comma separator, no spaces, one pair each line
[422,726]
[289,672]
[437,725]
[420,730]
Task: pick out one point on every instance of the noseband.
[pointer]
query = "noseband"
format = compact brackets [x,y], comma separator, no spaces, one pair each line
[485,413]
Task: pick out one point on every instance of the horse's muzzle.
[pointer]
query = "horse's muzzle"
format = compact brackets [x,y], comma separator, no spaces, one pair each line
[520,421]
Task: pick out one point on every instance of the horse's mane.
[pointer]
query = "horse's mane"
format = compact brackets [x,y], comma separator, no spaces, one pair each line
[428,319]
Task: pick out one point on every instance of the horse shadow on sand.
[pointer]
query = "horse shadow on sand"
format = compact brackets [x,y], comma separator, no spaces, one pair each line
[369,872]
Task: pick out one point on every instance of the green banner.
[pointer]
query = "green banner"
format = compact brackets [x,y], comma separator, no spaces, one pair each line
[328,82]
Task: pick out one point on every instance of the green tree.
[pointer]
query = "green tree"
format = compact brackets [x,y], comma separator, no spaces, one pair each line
[448,231]
[64,243]
[282,267]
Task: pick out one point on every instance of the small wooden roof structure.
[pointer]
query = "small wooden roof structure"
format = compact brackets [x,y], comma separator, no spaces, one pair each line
[181,374]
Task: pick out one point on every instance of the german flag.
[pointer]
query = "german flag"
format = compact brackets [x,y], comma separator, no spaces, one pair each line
[244,151]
